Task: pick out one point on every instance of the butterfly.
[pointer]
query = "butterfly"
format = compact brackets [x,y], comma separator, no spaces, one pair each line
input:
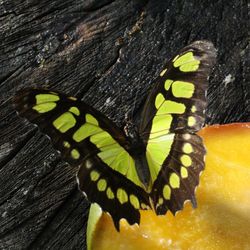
[154,164]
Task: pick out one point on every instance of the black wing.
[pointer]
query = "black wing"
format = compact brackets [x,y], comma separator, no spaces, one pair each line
[173,112]
[88,139]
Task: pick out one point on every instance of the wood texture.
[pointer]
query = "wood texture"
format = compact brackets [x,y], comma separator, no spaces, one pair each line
[107,53]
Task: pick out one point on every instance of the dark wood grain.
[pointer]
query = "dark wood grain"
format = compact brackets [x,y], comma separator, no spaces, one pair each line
[107,53]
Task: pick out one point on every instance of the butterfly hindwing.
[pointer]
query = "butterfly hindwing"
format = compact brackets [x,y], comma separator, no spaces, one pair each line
[179,175]
[112,191]
[173,112]
[88,139]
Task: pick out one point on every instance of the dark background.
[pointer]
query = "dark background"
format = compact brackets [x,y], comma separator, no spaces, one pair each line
[108,53]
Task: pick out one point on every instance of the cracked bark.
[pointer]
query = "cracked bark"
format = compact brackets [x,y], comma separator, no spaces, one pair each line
[105,53]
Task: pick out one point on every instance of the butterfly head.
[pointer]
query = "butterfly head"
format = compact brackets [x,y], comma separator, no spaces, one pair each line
[130,129]
[132,132]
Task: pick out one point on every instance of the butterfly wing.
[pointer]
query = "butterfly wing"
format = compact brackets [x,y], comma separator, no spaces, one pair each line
[88,139]
[172,114]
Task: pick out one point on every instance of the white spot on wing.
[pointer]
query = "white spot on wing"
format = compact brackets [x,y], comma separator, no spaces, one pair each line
[88,164]
[187,136]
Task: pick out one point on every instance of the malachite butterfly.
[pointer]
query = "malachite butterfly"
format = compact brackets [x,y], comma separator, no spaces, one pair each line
[155,165]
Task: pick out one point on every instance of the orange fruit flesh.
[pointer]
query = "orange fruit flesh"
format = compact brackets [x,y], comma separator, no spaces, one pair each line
[222,219]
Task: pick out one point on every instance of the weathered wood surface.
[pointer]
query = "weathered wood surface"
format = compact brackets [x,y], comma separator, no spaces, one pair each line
[108,53]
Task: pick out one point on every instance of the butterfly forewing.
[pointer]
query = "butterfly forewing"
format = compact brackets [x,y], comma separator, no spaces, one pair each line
[88,139]
[179,95]
[173,112]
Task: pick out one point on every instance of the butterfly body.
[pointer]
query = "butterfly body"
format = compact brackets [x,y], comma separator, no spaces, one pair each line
[155,165]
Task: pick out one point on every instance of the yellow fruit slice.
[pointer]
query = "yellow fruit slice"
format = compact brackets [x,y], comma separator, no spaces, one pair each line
[222,219]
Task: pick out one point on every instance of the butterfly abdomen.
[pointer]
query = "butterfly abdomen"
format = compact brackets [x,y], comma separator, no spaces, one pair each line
[142,169]
[137,149]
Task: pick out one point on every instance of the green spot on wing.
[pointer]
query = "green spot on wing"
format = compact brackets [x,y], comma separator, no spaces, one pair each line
[43,98]
[171,107]
[190,67]
[75,154]
[91,119]
[74,110]
[174,180]
[64,122]
[184,172]
[166,192]
[160,201]
[159,100]
[44,107]
[122,195]
[187,148]
[101,185]
[186,160]
[110,193]
[66,144]
[191,121]
[94,175]
[168,84]
[175,107]
[193,109]
[186,62]
[182,59]
[85,131]
[134,201]
[182,89]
